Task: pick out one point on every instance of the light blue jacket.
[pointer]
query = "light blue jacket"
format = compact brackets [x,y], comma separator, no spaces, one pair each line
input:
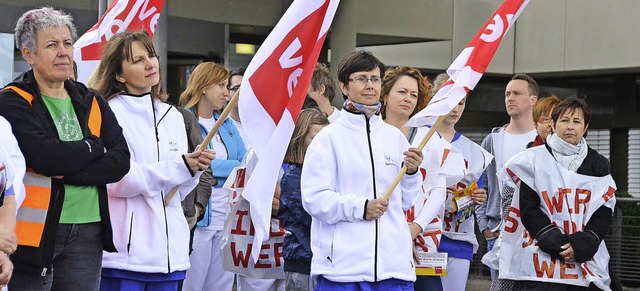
[222,168]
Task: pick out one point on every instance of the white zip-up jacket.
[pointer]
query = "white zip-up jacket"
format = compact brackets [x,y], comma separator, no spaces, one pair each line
[349,162]
[149,237]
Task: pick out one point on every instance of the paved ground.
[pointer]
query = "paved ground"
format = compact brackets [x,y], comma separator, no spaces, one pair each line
[478,284]
[481,284]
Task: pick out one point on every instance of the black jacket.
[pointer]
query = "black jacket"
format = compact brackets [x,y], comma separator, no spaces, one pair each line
[534,220]
[47,155]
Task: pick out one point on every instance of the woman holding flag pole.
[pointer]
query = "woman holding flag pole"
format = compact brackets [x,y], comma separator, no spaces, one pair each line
[360,239]
[151,238]
[205,95]
[405,92]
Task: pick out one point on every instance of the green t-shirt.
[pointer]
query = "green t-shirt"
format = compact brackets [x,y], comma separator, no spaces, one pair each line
[80,202]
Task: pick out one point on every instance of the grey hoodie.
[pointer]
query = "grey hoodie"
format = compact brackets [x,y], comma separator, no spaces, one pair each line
[488,214]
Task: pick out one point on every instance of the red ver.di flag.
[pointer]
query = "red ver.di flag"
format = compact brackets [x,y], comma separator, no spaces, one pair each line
[467,69]
[122,15]
[272,92]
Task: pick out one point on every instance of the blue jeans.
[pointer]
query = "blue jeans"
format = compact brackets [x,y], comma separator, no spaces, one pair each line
[77,259]
[490,243]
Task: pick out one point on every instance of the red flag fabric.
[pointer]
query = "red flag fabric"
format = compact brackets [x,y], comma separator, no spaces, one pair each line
[122,15]
[467,69]
[271,95]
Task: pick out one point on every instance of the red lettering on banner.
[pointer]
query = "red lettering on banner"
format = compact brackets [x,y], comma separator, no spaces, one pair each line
[512,217]
[277,253]
[529,239]
[563,270]
[582,201]
[569,227]
[263,256]
[252,230]
[554,205]
[419,242]
[288,61]
[239,257]
[607,196]
[585,270]
[238,228]
[410,214]
[544,268]
[448,219]
[434,236]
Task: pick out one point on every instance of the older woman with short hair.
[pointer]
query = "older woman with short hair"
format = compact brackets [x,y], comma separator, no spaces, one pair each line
[73,146]
[359,239]
[566,204]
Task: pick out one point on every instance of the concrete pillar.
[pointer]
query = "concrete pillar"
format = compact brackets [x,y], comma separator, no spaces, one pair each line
[102,7]
[342,40]
[160,39]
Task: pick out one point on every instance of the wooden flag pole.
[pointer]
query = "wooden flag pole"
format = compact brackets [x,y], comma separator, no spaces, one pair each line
[91,82]
[232,103]
[421,145]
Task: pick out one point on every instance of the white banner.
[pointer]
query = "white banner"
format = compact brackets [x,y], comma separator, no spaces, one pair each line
[569,200]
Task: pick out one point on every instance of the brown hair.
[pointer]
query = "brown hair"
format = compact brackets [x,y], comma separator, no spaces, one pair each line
[570,105]
[322,76]
[117,50]
[205,75]
[392,75]
[545,105]
[533,85]
[358,61]
[296,150]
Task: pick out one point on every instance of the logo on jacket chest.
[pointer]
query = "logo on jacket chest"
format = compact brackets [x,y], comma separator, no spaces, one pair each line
[173,146]
[389,161]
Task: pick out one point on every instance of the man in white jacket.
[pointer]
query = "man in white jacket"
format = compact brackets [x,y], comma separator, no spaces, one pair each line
[358,238]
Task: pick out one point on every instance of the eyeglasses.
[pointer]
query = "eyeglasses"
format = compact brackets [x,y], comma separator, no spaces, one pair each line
[362,80]
[234,88]
[544,119]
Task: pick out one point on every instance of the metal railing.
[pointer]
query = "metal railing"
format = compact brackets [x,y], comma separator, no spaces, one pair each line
[623,243]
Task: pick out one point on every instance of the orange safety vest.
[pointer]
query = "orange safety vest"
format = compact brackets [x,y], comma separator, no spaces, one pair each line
[32,214]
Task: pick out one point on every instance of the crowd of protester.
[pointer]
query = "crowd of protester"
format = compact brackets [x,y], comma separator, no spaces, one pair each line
[108,188]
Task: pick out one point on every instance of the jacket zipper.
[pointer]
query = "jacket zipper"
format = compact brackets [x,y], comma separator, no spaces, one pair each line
[130,232]
[225,148]
[164,209]
[375,196]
